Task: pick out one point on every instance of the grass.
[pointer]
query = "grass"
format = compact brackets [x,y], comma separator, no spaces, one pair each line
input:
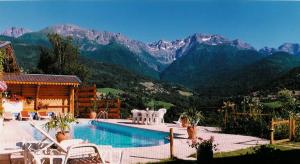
[184,93]
[113,91]
[280,153]
[273,105]
[160,104]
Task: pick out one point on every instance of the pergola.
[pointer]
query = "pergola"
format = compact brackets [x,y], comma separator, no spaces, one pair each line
[56,91]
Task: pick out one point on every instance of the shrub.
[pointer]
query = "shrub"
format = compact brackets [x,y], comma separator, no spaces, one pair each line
[297,135]
[281,131]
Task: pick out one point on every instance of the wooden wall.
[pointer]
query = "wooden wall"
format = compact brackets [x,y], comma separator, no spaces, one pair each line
[55,97]
[83,100]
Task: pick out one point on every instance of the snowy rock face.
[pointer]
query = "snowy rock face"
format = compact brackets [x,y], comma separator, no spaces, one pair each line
[15,32]
[167,51]
[268,50]
[292,48]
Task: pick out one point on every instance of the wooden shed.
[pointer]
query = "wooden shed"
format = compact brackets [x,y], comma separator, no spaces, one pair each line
[52,93]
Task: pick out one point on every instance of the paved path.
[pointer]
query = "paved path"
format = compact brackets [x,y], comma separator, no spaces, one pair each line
[17,131]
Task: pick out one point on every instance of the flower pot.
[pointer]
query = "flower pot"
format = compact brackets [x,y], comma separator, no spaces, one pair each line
[192,132]
[184,122]
[62,136]
[93,115]
[204,155]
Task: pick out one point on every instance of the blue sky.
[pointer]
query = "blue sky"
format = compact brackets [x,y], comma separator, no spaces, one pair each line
[260,23]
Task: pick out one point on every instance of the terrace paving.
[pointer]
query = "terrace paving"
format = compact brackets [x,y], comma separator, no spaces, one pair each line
[17,131]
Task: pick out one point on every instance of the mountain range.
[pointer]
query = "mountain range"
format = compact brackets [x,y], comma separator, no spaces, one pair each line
[205,62]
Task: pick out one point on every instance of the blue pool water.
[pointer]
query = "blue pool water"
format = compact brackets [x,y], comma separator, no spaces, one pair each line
[102,133]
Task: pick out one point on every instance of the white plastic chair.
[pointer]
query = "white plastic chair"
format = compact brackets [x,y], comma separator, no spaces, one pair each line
[135,116]
[156,118]
[161,114]
[62,153]
[86,153]
[150,117]
[144,117]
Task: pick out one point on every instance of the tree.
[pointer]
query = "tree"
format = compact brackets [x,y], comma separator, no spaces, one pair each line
[62,58]
[2,56]
[288,102]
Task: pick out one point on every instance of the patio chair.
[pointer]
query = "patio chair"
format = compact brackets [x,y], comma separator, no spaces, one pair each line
[178,123]
[7,116]
[162,113]
[24,115]
[66,151]
[43,115]
[73,151]
[150,116]
[144,117]
[158,117]
[135,116]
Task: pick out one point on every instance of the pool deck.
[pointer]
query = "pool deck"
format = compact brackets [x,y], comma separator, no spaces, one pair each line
[14,132]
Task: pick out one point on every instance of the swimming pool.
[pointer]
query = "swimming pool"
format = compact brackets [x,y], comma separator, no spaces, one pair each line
[119,136]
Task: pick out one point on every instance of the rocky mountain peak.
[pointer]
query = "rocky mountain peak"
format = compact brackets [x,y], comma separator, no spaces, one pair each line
[292,48]
[241,45]
[267,50]
[15,32]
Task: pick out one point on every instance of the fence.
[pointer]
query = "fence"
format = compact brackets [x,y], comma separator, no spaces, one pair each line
[235,115]
[87,94]
[291,123]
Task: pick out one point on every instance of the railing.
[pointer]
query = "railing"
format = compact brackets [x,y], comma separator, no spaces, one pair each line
[102,115]
[291,123]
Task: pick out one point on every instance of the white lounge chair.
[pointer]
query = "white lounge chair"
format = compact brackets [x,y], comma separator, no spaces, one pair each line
[7,116]
[178,122]
[74,150]
[62,154]
[43,115]
[24,115]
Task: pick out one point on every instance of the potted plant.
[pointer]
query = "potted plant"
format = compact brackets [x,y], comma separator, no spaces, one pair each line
[193,117]
[61,124]
[184,120]
[204,149]
[93,110]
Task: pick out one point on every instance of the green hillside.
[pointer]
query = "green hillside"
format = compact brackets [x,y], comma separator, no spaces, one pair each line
[290,80]
[117,54]
[264,72]
[209,66]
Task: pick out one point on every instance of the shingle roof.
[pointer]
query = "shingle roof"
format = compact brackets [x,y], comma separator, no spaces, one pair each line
[11,78]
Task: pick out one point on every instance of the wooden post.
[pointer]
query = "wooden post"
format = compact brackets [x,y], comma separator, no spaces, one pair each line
[225,118]
[76,105]
[272,132]
[290,129]
[71,100]
[294,128]
[171,143]
[95,91]
[63,104]
[36,100]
